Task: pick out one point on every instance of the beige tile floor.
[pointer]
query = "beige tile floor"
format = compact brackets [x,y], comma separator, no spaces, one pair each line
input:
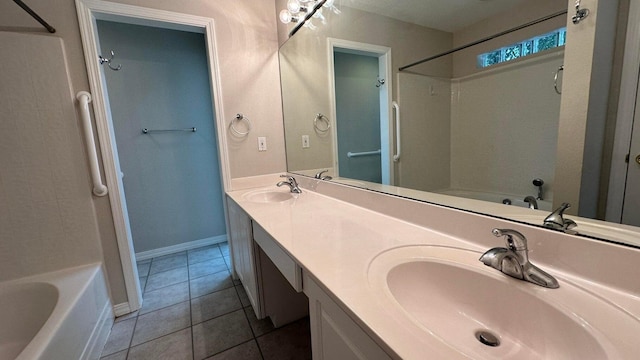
[193,310]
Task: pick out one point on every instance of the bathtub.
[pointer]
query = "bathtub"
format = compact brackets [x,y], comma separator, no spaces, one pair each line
[62,315]
[515,200]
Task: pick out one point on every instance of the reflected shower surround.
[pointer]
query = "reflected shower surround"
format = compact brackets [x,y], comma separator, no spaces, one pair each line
[304,11]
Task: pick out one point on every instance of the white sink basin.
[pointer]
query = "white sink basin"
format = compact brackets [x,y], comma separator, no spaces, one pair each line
[269,195]
[447,293]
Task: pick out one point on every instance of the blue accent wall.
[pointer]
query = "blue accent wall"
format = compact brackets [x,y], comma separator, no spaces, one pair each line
[358,115]
[171,180]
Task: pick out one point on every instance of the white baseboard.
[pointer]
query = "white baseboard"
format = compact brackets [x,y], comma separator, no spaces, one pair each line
[143,255]
[99,335]
[121,309]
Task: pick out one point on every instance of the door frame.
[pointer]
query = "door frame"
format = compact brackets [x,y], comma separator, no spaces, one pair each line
[88,12]
[628,109]
[383,53]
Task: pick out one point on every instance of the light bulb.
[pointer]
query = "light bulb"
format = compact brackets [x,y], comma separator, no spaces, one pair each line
[285,16]
[294,6]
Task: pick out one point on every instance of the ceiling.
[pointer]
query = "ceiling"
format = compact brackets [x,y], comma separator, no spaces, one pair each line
[445,15]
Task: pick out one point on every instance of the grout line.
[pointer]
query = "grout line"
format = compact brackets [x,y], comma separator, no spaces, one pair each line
[244,311]
[233,347]
[159,337]
[199,276]
[135,325]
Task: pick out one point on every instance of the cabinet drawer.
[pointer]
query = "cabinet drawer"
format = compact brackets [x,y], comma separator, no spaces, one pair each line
[289,268]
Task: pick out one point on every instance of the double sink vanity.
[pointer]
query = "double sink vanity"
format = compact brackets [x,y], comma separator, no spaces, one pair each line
[383,277]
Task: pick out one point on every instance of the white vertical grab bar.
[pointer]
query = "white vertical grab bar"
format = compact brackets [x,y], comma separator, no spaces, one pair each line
[396,111]
[84,98]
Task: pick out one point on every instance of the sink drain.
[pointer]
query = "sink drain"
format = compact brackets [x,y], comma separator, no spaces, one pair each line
[487,338]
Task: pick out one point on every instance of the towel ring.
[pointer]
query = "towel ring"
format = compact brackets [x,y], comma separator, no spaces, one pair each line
[239,118]
[319,119]
[555,79]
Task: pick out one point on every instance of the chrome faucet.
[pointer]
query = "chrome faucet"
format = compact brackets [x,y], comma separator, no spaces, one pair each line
[514,260]
[319,175]
[293,184]
[533,203]
[555,220]
[537,182]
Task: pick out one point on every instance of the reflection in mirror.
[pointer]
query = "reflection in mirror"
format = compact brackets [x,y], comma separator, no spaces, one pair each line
[475,129]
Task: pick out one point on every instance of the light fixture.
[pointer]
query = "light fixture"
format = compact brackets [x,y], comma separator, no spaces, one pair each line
[286,17]
[298,11]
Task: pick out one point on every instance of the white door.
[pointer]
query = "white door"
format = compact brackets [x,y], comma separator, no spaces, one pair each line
[631,205]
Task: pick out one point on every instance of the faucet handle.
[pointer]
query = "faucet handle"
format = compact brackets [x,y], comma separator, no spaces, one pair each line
[569,224]
[514,239]
[289,178]
[319,174]
[555,220]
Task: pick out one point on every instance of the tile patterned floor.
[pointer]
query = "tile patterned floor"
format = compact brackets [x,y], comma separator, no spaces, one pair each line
[193,310]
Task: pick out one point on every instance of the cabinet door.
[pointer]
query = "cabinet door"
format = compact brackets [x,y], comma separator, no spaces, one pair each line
[334,335]
[243,253]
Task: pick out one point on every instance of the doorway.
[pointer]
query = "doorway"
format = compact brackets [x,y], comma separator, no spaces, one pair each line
[358,114]
[89,14]
[360,99]
[160,103]
[623,197]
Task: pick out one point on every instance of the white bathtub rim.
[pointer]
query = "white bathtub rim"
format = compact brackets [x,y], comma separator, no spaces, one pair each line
[63,280]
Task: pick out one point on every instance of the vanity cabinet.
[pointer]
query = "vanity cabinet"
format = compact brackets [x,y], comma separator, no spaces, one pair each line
[279,282]
[334,335]
[270,277]
[244,255]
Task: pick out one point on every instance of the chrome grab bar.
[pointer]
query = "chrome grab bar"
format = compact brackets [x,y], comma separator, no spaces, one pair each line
[555,79]
[147,131]
[363,153]
[396,111]
[84,98]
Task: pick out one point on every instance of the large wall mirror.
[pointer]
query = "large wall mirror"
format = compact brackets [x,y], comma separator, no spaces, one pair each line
[374,97]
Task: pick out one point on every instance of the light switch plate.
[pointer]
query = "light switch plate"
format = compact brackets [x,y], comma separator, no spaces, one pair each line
[305,141]
[262,143]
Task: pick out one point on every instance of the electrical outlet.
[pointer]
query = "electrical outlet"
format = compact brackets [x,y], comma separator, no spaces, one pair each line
[305,141]
[262,143]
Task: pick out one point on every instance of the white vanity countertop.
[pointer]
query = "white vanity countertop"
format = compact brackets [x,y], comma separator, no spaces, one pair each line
[336,242]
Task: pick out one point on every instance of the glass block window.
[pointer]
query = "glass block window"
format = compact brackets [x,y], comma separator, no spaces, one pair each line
[527,47]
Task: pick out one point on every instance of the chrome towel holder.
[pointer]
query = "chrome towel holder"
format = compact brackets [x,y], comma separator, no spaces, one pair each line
[320,118]
[104,60]
[580,15]
[237,119]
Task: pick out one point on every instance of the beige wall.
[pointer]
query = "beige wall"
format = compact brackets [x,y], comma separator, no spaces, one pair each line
[247,45]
